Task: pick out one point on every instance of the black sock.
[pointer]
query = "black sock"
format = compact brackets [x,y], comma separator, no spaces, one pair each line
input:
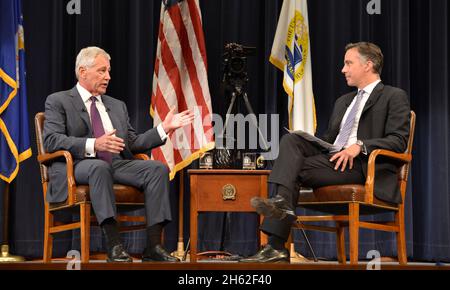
[276,242]
[111,231]
[154,235]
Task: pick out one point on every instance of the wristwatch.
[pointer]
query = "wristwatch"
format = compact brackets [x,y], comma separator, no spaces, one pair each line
[362,146]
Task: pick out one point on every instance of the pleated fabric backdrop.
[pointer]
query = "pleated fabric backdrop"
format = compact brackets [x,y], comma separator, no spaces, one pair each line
[414,36]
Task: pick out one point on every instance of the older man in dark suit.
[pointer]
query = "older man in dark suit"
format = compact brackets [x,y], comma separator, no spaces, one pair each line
[95,129]
[374,117]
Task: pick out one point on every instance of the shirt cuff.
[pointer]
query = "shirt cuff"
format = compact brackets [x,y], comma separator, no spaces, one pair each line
[161,132]
[90,148]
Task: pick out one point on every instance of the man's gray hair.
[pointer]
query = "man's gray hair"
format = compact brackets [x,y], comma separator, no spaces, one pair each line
[87,56]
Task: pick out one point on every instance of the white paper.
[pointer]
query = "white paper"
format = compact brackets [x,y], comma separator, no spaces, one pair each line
[313,139]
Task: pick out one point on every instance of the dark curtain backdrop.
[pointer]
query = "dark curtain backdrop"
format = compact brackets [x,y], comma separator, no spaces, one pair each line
[414,36]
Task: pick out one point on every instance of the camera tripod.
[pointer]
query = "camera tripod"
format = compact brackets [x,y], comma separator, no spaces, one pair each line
[238,92]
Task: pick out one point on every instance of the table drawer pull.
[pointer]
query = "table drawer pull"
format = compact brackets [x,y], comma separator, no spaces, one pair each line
[229,192]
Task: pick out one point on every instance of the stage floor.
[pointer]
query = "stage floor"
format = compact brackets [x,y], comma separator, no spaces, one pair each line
[213,265]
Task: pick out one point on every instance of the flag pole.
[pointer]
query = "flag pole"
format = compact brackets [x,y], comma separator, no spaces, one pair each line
[5,256]
[179,253]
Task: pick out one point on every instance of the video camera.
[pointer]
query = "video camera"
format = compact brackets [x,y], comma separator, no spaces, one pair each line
[235,65]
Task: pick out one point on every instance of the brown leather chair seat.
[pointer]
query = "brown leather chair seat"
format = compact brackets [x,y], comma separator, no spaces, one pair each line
[335,198]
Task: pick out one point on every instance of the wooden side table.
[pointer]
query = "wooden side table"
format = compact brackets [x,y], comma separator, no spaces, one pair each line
[224,191]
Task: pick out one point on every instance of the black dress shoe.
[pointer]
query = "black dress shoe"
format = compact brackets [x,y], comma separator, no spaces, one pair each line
[276,207]
[157,254]
[268,255]
[118,254]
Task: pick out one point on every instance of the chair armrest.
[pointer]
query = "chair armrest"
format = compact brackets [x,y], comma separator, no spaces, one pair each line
[71,185]
[141,156]
[370,180]
[44,158]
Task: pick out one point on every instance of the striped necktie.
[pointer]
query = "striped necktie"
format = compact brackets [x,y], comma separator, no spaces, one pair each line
[346,129]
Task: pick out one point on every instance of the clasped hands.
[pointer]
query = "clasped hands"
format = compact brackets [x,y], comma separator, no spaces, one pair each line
[345,157]
[111,143]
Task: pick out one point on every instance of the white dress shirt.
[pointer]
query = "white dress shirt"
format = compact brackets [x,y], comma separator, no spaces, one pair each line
[106,121]
[353,134]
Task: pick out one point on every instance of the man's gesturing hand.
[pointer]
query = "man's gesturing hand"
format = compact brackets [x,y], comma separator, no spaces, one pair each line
[175,121]
[109,142]
[346,156]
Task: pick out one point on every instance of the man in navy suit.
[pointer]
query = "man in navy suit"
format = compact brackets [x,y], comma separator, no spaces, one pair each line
[96,130]
[375,116]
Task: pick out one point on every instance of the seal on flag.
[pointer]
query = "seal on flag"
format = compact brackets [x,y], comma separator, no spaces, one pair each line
[297,47]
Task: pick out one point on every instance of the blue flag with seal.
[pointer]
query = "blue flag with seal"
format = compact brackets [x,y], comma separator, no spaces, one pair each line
[14,131]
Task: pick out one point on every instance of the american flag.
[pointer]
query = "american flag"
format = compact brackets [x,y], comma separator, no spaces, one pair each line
[180,80]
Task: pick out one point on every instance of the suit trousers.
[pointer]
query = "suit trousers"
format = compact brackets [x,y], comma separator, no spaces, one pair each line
[152,177]
[301,163]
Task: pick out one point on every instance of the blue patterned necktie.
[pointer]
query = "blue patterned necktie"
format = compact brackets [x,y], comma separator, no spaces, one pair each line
[97,127]
[346,129]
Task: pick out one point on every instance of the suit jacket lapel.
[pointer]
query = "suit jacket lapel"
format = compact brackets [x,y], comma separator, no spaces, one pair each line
[77,102]
[113,113]
[373,98]
[110,109]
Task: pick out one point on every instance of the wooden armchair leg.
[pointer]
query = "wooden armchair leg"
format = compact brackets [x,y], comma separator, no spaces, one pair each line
[340,243]
[85,220]
[353,232]
[401,239]
[48,238]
